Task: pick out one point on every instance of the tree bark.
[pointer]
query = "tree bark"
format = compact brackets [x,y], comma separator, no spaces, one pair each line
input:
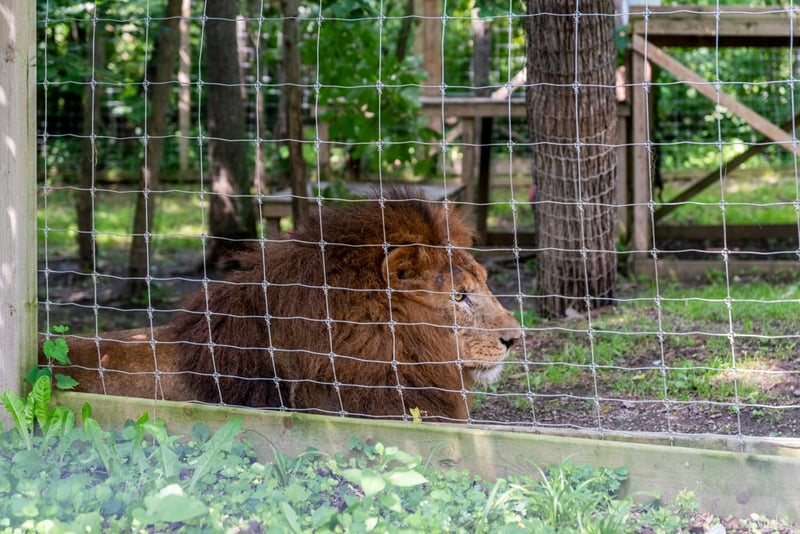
[572,121]
[481,66]
[293,98]
[164,63]
[92,108]
[258,69]
[232,216]
[185,90]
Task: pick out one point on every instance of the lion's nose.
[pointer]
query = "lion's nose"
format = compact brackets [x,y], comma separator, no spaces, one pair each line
[509,342]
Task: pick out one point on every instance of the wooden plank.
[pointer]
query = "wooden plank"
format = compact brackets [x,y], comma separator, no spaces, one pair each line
[658,56]
[711,25]
[640,171]
[17,195]
[693,270]
[725,482]
[278,205]
[473,106]
[509,239]
[733,232]
[470,153]
[429,47]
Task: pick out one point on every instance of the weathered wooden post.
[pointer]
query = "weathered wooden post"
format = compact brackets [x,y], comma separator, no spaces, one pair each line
[17,193]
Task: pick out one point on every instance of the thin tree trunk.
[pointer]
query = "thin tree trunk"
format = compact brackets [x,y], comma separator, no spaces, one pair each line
[293,92]
[254,40]
[92,106]
[572,120]
[481,65]
[164,62]
[185,90]
[404,35]
[231,207]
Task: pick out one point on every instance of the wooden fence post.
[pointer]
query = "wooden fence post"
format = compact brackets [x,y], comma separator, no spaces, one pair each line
[17,193]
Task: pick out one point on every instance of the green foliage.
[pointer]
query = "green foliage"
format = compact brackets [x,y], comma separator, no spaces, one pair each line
[366,91]
[56,350]
[58,477]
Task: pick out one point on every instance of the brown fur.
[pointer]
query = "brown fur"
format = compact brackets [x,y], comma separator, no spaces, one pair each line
[300,328]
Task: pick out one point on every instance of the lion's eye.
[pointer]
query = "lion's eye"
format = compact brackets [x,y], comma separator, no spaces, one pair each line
[459,296]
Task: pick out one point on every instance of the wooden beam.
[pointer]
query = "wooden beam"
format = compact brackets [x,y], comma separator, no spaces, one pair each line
[697,270]
[473,106]
[17,195]
[725,482]
[641,168]
[659,57]
[733,232]
[429,44]
[714,26]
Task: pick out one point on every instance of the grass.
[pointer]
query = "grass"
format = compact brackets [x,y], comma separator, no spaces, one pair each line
[760,198]
[765,199]
[714,341]
[177,223]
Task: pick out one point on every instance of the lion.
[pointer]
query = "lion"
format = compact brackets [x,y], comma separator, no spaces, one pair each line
[371,309]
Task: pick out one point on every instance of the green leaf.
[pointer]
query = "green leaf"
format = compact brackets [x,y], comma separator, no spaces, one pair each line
[39,397]
[36,372]
[166,454]
[105,449]
[65,382]
[220,441]
[56,349]
[200,432]
[21,414]
[86,412]
[291,516]
[61,421]
[370,482]
[406,478]
[170,505]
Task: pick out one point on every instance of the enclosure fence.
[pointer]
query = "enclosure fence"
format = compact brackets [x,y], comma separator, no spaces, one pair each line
[171,134]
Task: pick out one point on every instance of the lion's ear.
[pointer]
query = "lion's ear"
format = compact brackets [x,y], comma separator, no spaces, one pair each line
[401,265]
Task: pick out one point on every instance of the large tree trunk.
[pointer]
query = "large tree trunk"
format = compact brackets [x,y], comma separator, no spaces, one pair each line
[572,120]
[231,208]
[163,70]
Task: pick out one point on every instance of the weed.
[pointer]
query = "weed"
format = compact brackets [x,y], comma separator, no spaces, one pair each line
[56,350]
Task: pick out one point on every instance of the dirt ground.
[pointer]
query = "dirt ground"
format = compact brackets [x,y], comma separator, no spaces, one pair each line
[580,407]
[514,402]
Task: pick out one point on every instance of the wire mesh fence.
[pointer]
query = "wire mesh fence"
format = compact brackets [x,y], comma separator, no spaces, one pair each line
[373,301]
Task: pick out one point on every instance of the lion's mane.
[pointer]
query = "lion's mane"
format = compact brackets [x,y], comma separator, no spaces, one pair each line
[313,320]
[371,308]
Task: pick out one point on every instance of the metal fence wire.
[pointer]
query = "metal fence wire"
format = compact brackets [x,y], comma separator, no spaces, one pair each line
[174,138]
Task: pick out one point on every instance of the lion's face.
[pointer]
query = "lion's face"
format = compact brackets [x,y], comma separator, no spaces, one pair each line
[450,292]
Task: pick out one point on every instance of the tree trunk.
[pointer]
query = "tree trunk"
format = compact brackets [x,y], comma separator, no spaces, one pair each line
[185,91]
[164,65]
[572,121]
[92,108]
[481,67]
[231,206]
[293,92]
[258,70]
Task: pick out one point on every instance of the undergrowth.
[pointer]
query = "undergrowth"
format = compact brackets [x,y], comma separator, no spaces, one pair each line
[62,472]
